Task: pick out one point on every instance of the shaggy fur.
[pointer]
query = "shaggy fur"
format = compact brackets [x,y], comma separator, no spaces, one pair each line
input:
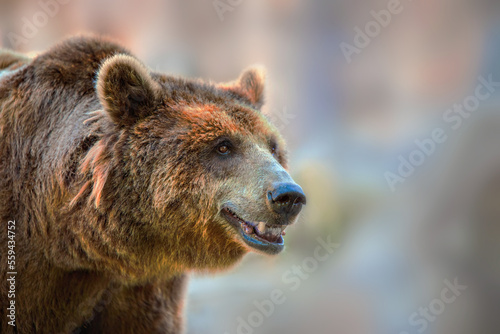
[10,60]
[110,174]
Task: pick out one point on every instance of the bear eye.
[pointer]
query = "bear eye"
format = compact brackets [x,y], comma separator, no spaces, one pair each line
[224,148]
[274,148]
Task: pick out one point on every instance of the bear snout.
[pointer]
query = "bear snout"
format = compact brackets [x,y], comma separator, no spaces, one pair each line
[286,199]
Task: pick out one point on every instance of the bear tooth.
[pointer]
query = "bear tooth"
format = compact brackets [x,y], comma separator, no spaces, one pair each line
[261,227]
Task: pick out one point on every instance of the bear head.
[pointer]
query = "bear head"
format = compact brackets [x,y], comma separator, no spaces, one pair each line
[191,174]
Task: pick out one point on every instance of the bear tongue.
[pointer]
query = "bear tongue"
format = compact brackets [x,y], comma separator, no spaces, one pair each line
[247,228]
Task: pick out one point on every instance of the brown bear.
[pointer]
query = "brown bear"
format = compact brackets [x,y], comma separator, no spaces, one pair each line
[116,182]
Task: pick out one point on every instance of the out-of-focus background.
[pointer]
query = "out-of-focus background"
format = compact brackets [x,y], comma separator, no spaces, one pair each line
[392,114]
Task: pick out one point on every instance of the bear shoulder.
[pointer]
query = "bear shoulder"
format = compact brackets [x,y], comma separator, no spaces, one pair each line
[72,64]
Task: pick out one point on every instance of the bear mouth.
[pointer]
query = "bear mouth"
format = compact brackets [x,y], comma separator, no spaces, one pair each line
[261,236]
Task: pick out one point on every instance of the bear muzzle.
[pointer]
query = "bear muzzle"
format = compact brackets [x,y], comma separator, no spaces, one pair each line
[285,201]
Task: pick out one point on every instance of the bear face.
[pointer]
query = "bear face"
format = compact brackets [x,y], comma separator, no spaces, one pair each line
[201,170]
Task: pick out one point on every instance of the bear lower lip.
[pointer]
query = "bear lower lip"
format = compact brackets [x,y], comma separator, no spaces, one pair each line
[260,235]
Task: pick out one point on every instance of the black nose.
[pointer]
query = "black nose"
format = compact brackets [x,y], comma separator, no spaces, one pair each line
[286,199]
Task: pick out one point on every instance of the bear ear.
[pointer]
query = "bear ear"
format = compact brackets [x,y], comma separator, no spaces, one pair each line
[126,89]
[250,85]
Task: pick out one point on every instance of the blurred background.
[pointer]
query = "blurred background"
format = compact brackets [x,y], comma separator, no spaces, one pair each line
[358,87]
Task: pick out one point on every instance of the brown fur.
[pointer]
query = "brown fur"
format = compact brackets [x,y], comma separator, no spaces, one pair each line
[11,60]
[108,172]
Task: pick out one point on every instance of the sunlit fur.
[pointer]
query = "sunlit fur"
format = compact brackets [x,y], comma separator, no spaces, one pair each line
[107,170]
